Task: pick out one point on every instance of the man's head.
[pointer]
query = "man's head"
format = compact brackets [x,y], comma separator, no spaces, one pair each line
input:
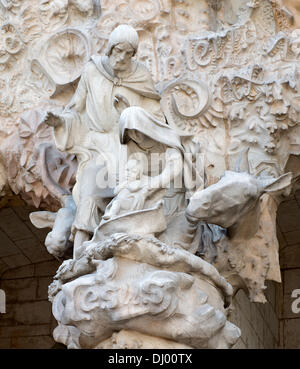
[122,46]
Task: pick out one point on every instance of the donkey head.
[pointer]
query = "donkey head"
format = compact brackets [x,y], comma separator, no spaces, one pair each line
[227,201]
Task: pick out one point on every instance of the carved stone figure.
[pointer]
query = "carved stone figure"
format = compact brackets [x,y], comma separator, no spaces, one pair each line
[57,241]
[130,195]
[184,137]
[234,203]
[88,127]
[141,284]
[234,196]
[166,173]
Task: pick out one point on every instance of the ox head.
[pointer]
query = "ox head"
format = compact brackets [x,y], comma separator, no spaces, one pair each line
[227,201]
[56,241]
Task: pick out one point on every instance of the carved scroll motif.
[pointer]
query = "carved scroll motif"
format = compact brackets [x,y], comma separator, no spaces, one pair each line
[185,103]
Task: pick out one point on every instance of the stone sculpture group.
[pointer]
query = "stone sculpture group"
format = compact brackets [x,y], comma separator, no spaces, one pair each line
[175,150]
[116,103]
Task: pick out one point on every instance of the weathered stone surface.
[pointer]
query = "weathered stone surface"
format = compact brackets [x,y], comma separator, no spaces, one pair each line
[13,228]
[25,331]
[289,216]
[3,267]
[21,289]
[42,288]
[30,313]
[46,269]
[7,246]
[200,193]
[33,250]
[292,237]
[290,257]
[21,272]
[41,342]
[40,234]
[17,260]
[131,339]
[291,333]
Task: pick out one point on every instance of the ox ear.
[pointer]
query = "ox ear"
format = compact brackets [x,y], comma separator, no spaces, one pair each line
[42,219]
[277,184]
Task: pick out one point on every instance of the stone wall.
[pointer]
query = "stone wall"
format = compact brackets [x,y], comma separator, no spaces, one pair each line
[258,322]
[28,322]
[26,270]
[289,235]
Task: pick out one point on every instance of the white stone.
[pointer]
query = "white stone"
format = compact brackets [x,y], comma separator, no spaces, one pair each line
[182,138]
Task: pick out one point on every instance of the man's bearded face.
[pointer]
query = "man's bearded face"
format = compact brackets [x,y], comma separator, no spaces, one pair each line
[120,57]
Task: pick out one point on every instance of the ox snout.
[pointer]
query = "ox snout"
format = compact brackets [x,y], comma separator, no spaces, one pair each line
[199,208]
[53,239]
[190,216]
[56,244]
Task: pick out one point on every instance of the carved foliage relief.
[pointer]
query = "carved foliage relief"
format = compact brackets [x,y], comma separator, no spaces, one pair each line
[233,91]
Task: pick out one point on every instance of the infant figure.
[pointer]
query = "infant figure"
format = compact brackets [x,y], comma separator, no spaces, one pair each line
[131,194]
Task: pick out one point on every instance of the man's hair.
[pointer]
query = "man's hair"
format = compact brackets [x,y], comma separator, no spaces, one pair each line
[122,33]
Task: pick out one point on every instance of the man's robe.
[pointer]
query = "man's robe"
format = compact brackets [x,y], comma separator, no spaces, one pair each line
[91,129]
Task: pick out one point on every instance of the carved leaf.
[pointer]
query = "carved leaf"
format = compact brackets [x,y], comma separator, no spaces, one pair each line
[42,80]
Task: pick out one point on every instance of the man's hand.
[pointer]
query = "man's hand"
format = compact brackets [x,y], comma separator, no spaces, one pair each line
[53,119]
[120,103]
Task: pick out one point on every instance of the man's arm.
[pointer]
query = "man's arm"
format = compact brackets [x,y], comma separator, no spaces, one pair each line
[67,123]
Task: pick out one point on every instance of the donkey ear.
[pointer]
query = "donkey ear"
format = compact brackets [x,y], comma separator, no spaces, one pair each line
[277,184]
[42,219]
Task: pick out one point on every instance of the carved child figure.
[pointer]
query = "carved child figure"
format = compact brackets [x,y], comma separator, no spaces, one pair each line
[131,194]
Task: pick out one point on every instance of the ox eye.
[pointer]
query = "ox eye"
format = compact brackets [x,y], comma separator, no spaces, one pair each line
[206,205]
[250,192]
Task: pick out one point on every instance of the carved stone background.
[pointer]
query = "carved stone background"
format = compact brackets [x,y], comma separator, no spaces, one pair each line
[45,44]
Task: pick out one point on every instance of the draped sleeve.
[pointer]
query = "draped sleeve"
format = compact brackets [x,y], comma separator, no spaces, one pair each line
[68,135]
